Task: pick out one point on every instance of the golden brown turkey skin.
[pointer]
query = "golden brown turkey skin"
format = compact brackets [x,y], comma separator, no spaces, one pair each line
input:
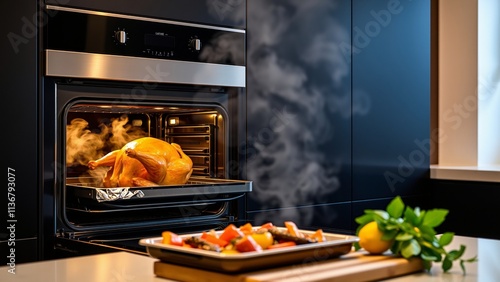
[145,161]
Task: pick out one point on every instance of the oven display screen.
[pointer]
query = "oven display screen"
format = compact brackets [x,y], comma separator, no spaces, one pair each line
[159,40]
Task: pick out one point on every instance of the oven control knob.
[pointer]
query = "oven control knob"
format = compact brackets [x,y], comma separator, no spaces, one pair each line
[195,44]
[121,36]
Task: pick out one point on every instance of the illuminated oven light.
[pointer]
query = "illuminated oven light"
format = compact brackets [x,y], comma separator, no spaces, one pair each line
[137,122]
[105,107]
[173,121]
[158,108]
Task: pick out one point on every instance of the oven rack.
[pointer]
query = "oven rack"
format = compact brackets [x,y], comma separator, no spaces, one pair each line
[196,187]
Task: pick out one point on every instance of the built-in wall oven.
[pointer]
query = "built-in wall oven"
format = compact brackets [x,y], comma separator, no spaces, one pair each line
[111,78]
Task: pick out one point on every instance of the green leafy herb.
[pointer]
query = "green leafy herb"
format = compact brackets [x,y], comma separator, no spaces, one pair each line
[413,233]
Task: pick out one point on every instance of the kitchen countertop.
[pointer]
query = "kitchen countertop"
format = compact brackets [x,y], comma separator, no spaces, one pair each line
[123,266]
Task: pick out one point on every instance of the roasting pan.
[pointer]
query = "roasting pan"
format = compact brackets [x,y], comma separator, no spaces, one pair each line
[334,246]
[208,187]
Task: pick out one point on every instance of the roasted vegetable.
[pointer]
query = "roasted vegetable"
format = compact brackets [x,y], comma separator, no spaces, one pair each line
[247,244]
[231,232]
[247,238]
[196,242]
[267,225]
[171,238]
[284,236]
[318,235]
[282,245]
[247,228]
[263,238]
[293,229]
[213,239]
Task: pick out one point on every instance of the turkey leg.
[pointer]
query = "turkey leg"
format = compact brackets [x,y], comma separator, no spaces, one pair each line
[107,160]
[154,164]
[185,161]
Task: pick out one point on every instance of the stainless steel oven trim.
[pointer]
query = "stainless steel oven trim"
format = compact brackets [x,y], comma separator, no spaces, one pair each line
[59,8]
[113,67]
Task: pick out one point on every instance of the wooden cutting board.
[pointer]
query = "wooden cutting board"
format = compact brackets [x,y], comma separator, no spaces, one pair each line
[355,266]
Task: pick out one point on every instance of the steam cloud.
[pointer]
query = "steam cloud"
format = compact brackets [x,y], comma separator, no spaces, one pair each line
[83,145]
[298,79]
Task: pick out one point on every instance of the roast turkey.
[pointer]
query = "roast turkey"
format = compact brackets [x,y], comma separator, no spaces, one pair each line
[145,161]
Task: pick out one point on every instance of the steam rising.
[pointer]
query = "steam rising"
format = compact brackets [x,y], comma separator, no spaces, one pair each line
[122,133]
[84,145]
[81,144]
[298,81]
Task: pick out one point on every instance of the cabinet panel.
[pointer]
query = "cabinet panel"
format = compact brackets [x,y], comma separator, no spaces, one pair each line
[390,74]
[473,207]
[19,84]
[333,218]
[298,88]
[24,251]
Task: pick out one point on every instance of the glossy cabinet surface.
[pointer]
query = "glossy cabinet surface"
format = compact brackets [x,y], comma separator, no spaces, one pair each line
[19,199]
[338,106]
[298,88]
[391,72]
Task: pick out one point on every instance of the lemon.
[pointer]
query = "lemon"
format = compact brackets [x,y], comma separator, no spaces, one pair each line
[370,239]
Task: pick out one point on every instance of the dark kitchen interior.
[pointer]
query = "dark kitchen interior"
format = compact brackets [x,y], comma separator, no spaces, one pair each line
[338,107]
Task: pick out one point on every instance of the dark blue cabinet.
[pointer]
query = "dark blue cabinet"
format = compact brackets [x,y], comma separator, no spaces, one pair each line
[338,108]
[391,73]
[299,117]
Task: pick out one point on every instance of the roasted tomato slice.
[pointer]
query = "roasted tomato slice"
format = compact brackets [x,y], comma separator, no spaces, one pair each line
[247,244]
[171,238]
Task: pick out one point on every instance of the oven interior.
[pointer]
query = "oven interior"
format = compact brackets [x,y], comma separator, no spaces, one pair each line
[91,128]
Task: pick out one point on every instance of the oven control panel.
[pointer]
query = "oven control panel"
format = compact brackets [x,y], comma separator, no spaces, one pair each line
[113,34]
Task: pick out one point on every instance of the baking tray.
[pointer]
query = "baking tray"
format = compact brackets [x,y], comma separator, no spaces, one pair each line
[195,186]
[334,246]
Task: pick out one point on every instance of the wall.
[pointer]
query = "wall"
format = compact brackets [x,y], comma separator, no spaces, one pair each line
[466,84]
[457,78]
[468,76]
[488,58]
